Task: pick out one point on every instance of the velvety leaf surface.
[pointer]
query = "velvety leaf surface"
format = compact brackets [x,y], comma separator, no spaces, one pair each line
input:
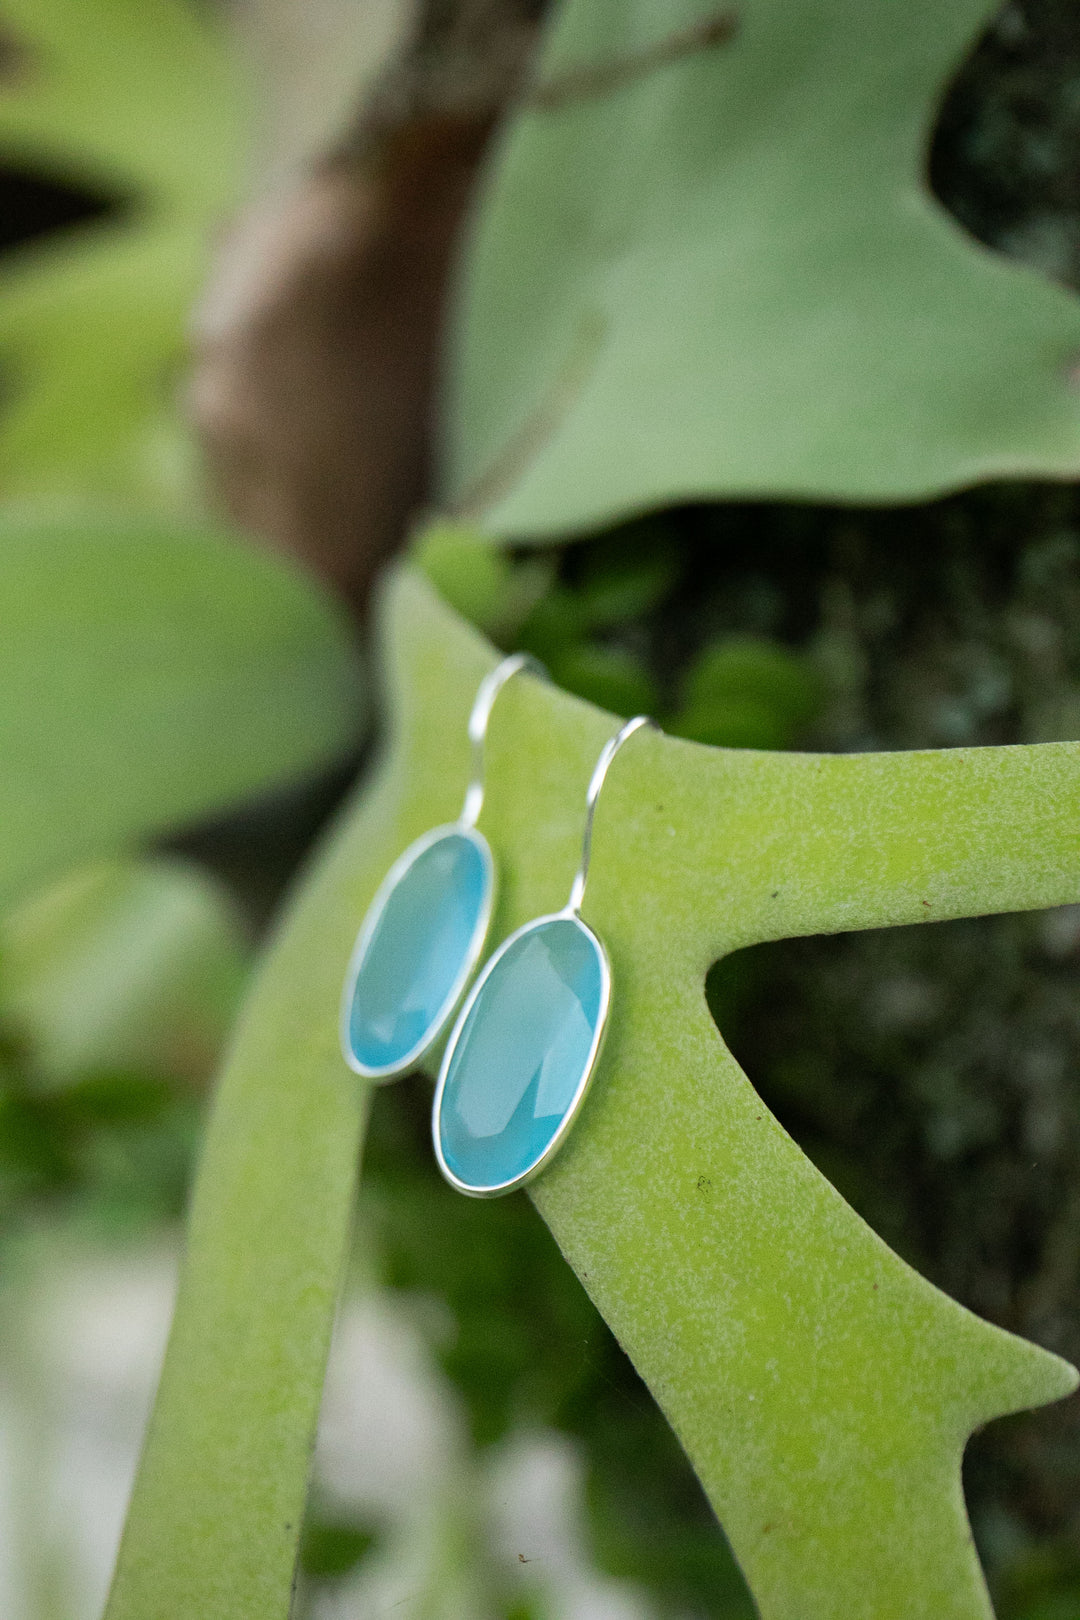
[710,266]
[823,1390]
[137,100]
[151,673]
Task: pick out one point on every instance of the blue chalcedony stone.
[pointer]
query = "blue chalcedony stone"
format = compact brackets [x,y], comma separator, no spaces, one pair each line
[427,934]
[516,1069]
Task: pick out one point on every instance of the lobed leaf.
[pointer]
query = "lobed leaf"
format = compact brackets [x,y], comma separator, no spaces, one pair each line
[708,265]
[823,1390]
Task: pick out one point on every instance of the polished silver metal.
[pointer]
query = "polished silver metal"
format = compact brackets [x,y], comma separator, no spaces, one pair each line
[571,912]
[588,1071]
[479,720]
[488,690]
[596,783]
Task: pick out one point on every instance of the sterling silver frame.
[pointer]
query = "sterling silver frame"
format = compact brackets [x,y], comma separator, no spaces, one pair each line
[479,719]
[436,1028]
[571,912]
[568,913]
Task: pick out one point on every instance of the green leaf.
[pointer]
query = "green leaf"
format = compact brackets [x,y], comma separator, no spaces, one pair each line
[151,673]
[217,1515]
[122,967]
[753,666]
[822,1389]
[34,1157]
[468,574]
[1042,1584]
[135,91]
[137,99]
[747,692]
[609,677]
[496,593]
[622,576]
[555,626]
[332,1549]
[710,266]
[92,339]
[733,722]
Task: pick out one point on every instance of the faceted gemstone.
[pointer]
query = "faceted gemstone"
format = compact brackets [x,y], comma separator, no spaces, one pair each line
[522,1054]
[425,939]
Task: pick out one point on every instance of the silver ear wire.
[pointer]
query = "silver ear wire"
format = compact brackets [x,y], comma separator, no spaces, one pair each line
[488,690]
[596,782]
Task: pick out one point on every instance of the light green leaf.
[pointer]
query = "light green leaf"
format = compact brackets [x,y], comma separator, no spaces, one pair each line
[626,574]
[610,677]
[747,692]
[215,1522]
[151,673]
[123,94]
[92,335]
[823,1390]
[713,268]
[491,591]
[136,99]
[123,966]
[477,581]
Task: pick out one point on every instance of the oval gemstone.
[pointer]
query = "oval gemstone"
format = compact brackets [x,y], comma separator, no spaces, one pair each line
[421,938]
[522,1055]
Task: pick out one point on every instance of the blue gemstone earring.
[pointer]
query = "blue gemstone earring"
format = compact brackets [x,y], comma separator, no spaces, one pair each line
[527,1041]
[425,929]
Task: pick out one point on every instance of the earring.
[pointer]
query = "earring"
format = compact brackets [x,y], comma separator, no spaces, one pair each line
[425,929]
[527,1041]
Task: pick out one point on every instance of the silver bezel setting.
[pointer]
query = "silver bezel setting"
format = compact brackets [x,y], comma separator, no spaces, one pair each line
[371,920]
[568,913]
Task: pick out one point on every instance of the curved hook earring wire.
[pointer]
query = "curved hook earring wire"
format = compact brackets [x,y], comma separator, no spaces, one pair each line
[596,782]
[479,718]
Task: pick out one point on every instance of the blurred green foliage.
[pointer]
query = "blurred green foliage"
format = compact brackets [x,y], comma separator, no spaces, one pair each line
[121,967]
[331,1548]
[1042,1585]
[747,692]
[598,627]
[117,986]
[154,670]
[495,592]
[137,100]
